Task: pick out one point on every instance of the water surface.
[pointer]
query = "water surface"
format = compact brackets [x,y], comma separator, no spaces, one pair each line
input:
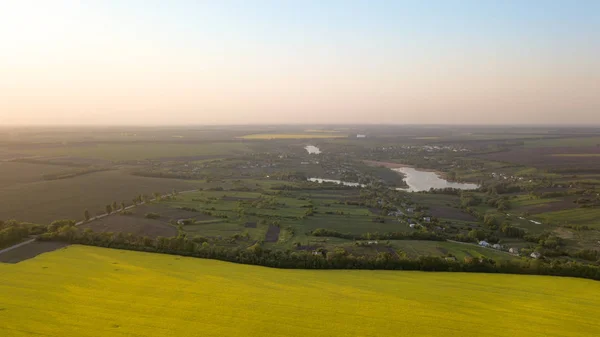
[311,149]
[418,180]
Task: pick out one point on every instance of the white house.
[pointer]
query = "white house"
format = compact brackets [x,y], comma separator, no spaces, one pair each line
[514,250]
[484,244]
[412,225]
[535,255]
[361,136]
[427,219]
[496,246]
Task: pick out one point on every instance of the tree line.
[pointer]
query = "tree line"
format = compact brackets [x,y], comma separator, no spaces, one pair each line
[339,259]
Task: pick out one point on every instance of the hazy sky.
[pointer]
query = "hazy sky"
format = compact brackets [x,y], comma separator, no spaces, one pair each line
[207,62]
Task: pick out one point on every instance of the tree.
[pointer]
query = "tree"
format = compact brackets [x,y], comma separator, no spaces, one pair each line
[114,206]
[87,215]
[123,206]
[476,234]
[108,209]
[490,221]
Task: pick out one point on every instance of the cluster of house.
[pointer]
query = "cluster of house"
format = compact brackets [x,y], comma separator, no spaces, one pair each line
[534,255]
[506,177]
[411,222]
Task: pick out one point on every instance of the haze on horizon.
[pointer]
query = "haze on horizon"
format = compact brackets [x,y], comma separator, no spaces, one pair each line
[268,62]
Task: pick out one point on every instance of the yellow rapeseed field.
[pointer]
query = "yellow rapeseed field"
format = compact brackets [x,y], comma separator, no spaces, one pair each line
[292,136]
[89,291]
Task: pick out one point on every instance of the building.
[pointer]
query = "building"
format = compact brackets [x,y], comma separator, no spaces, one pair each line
[361,136]
[427,219]
[496,246]
[484,244]
[412,225]
[536,255]
[514,250]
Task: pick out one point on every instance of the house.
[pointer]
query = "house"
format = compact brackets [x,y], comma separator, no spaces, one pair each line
[427,219]
[484,244]
[450,258]
[361,136]
[396,213]
[496,246]
[514,250]
[372,242]
[410,210]
[412,225]
[536,255]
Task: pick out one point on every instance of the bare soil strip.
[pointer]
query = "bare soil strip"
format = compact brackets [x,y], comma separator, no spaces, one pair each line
[29,251]
[272,234]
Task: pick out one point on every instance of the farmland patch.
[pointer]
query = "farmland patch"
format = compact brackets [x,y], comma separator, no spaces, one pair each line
[46,201]
[546,157]
[106,292]
[134,225]
[450,213]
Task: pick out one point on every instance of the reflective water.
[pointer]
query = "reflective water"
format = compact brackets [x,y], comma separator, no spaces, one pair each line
[345,183]
[311,149]
[416,180]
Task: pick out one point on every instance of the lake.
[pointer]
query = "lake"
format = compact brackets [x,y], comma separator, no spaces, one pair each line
[418,180]
[345,183]
[311,149]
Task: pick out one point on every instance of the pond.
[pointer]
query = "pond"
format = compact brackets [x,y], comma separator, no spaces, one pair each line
[311,149]
[418,180]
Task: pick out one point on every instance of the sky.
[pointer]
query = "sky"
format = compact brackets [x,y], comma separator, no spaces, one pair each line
[271,62]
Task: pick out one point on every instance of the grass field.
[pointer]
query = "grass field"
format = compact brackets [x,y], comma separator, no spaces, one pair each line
[293,136]
[90,291]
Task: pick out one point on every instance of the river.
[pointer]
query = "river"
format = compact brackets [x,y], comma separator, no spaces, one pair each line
[416,180]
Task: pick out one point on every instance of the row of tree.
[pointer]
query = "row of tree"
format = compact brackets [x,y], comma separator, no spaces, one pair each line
[258,255]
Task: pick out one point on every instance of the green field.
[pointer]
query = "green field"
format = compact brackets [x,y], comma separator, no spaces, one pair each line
[46,201]
[578,141]
[118,152]
[576,155]
[89,291]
